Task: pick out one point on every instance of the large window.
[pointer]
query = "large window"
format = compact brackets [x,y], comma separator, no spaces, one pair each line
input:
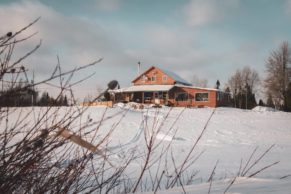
[201,96]
[181,97]
[154,78]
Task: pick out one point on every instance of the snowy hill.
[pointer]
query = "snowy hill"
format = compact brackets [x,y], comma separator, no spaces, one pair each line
[229,140]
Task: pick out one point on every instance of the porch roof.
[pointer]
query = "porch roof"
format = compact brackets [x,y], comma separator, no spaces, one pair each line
[147,88]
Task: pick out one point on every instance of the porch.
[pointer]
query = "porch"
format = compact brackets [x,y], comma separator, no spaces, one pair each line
[145,94]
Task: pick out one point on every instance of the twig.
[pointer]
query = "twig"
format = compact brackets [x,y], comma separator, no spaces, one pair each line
[258,160]
[262,169]
[211,176]
[231,183]
[194,146]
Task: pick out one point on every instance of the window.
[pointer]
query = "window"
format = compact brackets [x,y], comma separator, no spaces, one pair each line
[181,97]
[156,95]
[218,96]
[165,78]
[154,78]
[144,78]
[148,96]
[165,95]
[201,96]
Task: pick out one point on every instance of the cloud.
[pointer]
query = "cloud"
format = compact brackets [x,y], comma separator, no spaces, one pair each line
[288,7]
[202,12]
[108,5]
[181,51]
[176,50]
[168,41]
[77,41]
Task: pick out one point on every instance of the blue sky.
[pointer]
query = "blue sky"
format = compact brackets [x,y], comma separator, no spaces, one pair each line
[208,39]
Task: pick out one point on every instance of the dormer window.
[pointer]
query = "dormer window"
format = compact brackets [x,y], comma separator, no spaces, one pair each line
[165,78]
[144,78]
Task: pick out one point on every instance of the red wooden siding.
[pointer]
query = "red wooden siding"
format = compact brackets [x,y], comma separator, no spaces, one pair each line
[211,102]
[180,94]
[153,72]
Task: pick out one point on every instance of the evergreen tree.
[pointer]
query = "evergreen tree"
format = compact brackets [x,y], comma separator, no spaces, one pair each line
[227,90]
[217,84]
[288,98]
[60,100]
[261,102]
[20,95]
[65,102]
[44,100]
[245,98]
[270,102]
[250,98]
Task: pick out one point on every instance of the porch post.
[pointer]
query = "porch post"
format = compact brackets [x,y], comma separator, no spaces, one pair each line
[142,97]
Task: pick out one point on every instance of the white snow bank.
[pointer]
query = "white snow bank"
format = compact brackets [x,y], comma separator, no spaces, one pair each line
[164,137]
[137,106]
[240,186]
[231,136]
[264,109]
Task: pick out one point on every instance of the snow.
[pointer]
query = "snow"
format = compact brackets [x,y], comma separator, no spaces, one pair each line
[241,186]
[229,139]
[147,88]
[264,109]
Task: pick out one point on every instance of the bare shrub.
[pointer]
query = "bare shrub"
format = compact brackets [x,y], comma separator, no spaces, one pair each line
[53,150]
[35,155]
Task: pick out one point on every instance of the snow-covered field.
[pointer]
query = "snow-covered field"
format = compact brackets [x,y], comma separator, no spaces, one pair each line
[229,140]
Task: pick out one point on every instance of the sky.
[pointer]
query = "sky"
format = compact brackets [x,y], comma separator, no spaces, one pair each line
[209,39]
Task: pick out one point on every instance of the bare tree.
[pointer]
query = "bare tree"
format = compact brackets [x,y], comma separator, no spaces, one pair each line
[199,82]
[278,74]
[250,77]
[242,85]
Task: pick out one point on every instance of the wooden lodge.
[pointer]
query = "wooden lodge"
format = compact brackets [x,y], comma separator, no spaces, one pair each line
[159,86]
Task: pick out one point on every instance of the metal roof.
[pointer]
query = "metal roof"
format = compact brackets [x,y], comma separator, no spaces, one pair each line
[176,77]
[146,88]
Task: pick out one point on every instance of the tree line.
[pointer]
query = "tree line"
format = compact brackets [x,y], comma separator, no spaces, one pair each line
[20,96]
[31,157]
[244,83]
[276,86]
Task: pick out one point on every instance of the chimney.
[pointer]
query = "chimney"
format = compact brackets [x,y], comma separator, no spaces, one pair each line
[138,68]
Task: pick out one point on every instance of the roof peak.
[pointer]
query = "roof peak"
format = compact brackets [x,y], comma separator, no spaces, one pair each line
[176,77]
[171,74]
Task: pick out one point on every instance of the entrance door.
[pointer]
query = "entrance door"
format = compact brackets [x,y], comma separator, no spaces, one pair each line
[157,98]
[148,97]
